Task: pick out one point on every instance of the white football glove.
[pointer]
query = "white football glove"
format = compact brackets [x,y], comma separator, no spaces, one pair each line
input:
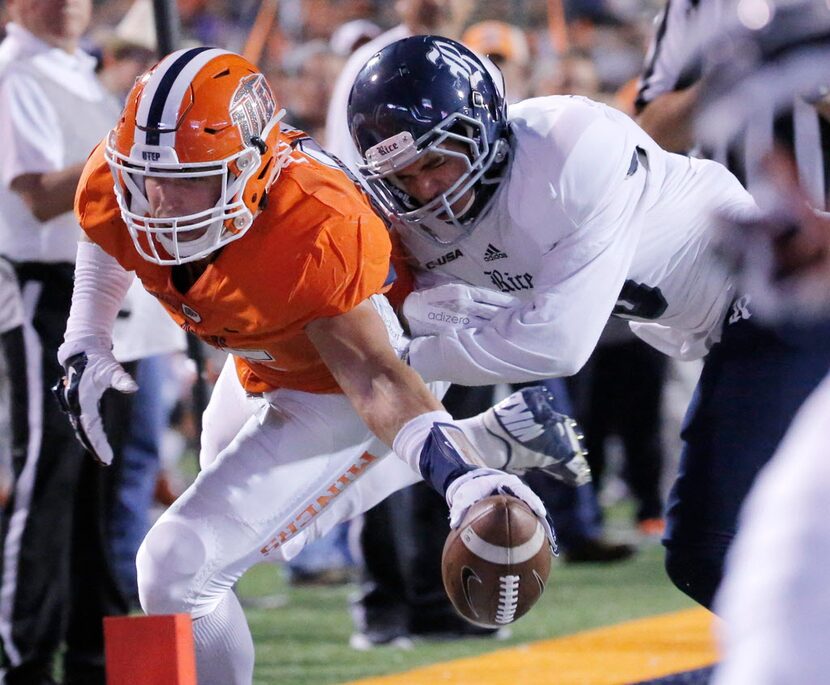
[452,306]
[88,375]
[480,483]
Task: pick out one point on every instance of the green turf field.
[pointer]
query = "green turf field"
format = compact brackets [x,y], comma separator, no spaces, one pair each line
[306,641]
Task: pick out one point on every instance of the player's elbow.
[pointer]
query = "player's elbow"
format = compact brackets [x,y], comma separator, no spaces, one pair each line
[568,361]
[566,368]
[557,368]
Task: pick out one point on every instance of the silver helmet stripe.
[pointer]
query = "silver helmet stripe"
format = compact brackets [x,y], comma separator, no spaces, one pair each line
[158,108]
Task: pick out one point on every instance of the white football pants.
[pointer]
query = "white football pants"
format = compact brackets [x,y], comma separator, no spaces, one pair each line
[277,472]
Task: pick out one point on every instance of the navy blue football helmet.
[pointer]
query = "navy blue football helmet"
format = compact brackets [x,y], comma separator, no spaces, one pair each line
[407,101]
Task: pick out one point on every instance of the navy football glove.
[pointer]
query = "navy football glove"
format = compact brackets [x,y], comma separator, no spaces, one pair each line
[537,436]
[79,392]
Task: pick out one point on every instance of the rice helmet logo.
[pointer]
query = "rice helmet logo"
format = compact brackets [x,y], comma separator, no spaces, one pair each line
[252,106]
[461,66]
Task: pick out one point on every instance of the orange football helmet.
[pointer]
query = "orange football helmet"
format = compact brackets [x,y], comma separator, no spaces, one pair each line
[199,112]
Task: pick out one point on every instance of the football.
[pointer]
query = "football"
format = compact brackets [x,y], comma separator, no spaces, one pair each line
[496,562]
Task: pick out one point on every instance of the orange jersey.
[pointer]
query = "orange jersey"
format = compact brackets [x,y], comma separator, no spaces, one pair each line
[317,250]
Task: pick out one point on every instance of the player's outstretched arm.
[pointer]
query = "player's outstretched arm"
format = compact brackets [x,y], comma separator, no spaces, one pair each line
[399,408]
[86,353]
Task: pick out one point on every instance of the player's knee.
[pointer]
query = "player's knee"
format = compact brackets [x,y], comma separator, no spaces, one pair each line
[168,562]
[696,571]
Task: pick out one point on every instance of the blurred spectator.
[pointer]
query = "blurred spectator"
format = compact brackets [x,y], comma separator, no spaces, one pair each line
[573,74]
[11,342]
[575,511]
[56,577]
[308,75]
[209,22]
[506,46]
[137,26]
[121,62]
[618,393]
[352,35]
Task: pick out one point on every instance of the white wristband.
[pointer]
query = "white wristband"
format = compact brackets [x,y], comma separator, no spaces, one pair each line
[101,284]
[411,437]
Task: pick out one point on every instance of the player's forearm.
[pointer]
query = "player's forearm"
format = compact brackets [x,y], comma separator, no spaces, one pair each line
[49,194]
[389,398]
[668,119]
[100,286]
[383,390]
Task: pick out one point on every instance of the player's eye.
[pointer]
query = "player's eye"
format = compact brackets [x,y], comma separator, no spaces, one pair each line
[435,162]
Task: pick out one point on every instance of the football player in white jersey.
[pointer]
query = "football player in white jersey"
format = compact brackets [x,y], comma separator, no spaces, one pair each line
[775,598]
[526,229]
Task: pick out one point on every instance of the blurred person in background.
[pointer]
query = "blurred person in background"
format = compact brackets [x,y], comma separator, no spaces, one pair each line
[121,62]
[211,22]
[619,394]
[759,374]
[57,580]
[572,74]
[775,598]
[11,352]
[144,340]
[507,47]
[307,77]
[348,37]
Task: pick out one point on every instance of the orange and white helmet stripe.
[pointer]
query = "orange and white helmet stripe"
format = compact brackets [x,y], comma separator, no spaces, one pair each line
[158,109]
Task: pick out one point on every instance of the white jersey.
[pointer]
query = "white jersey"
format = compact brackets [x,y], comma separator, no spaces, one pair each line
[594,218]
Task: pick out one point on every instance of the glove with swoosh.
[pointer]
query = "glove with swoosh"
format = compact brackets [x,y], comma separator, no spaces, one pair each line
[88,375]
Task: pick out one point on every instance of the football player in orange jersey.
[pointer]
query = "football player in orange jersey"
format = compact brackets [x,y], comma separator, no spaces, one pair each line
[257,242]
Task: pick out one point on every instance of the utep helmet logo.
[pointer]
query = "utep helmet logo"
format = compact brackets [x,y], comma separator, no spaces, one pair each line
[252,106]
[459,65]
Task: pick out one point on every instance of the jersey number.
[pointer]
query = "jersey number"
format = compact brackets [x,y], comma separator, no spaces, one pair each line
[640,301]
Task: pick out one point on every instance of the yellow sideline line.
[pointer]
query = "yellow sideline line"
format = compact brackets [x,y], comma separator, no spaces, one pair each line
[615,655]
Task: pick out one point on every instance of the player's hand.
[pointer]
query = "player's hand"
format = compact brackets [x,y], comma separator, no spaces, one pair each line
[475,485]
[88,375]
[452,306]
[537,436]
[781,257]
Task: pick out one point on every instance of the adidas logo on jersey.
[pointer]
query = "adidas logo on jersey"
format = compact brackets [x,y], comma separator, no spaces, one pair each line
[492,253]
